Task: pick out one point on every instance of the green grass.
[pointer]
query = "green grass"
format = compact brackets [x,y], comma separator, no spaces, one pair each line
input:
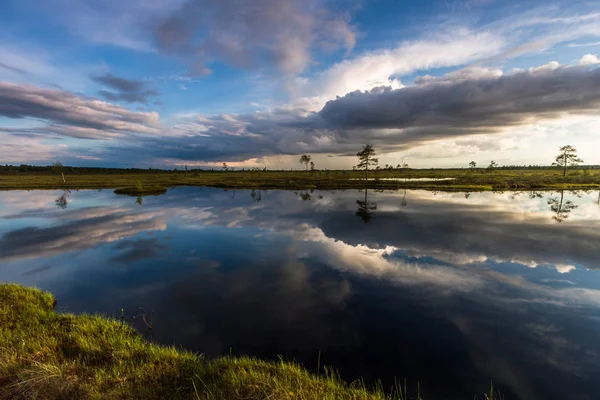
[49,355]
[464,179]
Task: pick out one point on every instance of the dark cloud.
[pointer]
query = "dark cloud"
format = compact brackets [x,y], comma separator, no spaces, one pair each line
[441,108]
[452,106]
[71,115]
[455,105]
[131,91]
[13,69]
[227,137]
[242,33]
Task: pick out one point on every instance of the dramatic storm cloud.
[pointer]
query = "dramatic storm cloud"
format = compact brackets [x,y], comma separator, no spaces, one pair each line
[71,115]
[131,91]
[471,104]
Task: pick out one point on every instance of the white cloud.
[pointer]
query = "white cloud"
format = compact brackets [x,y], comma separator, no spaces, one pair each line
[363,260]
[564,268]
[384,67]
[589,59]
[14,150]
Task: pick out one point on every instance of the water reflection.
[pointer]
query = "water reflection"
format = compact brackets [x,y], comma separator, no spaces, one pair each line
[62,201]
[365,208]
[561,207]
[451,291]
[256,195]
[304,195]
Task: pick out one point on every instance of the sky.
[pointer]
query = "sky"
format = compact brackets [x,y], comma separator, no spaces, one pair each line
[165,84]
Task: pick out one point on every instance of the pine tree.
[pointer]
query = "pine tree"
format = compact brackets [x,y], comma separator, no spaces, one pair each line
[367,159]
[567,157]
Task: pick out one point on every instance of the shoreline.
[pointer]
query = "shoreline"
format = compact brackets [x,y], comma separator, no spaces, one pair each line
[443,180]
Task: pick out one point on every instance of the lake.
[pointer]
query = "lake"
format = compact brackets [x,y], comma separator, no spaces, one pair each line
[447,290]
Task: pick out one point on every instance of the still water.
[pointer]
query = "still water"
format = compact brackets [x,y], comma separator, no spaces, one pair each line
[450,290]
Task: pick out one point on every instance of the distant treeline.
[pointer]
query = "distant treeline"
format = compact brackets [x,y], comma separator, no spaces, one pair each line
[23,168]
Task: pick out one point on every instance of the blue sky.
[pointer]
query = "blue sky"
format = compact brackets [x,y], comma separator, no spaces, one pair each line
[201,82]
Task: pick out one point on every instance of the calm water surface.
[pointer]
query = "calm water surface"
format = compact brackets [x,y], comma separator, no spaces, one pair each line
[448,290]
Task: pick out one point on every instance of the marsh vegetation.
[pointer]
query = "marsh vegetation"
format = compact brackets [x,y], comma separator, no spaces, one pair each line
[366,174]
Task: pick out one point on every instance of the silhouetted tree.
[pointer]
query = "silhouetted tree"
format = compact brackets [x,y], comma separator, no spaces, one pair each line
[566,158]
[312,166]
[366,159]
[561,207]
[472,165]
[225,167]
[305,159]
[402,165]
[493,164]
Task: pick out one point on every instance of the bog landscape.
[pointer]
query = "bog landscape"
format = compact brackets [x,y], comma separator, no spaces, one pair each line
[282,199]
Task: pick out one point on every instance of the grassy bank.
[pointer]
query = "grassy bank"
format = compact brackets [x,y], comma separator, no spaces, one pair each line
[463,179]
[49,355]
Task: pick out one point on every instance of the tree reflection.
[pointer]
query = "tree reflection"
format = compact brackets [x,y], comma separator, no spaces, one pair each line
[561,207]
[256,195]
[305,196]
[535,195]
[365,208]
[404,202]
[140,200]
[62,201]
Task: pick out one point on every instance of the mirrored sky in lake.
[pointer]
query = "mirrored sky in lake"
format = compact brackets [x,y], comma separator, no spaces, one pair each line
[446,289]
